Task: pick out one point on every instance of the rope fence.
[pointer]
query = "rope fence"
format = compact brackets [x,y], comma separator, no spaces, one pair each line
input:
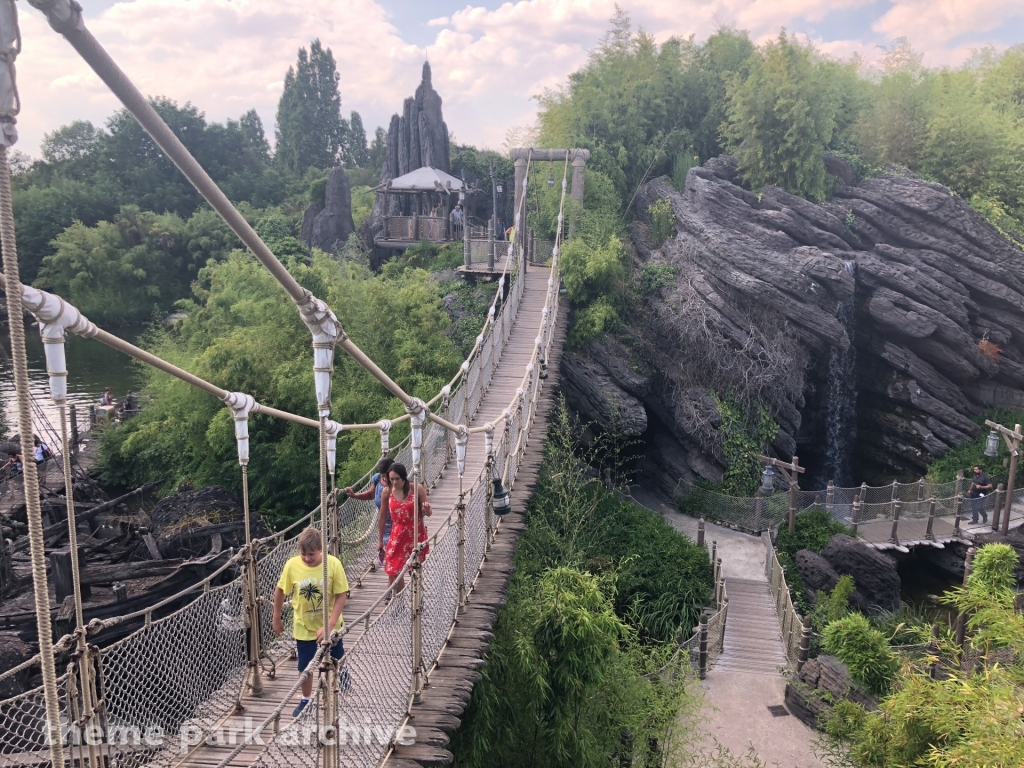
[851,506]
[790,622]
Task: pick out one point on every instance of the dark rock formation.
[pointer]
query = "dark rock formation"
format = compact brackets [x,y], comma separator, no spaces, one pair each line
[874,574]
[817,575]
[416,139]
[822,682]
[753,311]
[328,229]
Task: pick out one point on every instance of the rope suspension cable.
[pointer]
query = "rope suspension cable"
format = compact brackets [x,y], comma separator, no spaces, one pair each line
[10,40]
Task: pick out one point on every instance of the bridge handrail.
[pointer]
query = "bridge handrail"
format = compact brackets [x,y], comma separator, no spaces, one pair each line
[790,621]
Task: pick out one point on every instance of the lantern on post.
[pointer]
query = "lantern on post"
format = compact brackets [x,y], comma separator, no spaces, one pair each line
[501,503]
[768,480]
[992,444]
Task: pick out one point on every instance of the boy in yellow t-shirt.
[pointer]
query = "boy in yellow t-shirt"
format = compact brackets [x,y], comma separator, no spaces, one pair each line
[302,578]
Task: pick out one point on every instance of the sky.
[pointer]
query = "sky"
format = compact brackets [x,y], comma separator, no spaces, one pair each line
[489,60]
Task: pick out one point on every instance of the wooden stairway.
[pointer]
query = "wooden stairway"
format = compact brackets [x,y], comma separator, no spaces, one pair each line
[753,641]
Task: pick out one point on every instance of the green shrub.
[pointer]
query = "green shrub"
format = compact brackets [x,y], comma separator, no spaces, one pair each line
[813,530]
[654,277]
[963,457]
[662,221]
[864,650]
[995,566]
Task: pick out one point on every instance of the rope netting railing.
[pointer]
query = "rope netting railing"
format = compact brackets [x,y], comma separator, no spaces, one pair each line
[790,622]
[905,501]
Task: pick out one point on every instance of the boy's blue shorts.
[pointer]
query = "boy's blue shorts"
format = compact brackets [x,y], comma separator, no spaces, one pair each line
[307,650]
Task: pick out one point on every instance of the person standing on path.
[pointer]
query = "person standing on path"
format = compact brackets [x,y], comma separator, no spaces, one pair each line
[400,498]
[981,484]
[377,484]
[302,579]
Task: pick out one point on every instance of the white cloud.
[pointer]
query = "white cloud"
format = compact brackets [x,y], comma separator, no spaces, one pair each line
[226,56]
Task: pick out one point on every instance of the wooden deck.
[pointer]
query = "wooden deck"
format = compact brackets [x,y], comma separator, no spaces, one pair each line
[752,641]
[506,379]
[913,532]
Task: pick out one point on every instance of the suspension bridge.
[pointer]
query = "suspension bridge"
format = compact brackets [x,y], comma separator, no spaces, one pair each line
[209,684]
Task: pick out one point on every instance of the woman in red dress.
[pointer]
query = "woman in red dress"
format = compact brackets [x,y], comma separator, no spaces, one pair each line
[398,496]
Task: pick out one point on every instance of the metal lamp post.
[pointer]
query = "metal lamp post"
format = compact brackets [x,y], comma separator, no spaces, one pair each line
[1012,438]
[494,215]
[790,472]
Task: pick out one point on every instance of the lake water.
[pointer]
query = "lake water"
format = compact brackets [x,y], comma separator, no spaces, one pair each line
[91,368]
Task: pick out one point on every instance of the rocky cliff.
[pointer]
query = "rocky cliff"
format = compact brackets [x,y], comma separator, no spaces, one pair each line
[328,228]
[936,322]
[417,138]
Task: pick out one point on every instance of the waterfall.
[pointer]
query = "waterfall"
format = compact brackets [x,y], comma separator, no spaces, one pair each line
[841,419]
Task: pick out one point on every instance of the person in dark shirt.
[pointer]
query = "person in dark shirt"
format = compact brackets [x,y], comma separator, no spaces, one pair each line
[981,484]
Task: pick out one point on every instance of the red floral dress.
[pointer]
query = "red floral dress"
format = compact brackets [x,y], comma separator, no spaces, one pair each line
[399,547]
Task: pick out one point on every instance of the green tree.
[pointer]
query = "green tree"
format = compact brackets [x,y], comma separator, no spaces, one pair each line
[358,155]
[119,271]
[378,148]
[243,333]
[310,130]
[69,142]
[781,118]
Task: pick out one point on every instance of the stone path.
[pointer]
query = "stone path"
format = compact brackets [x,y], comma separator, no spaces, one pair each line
[746,679]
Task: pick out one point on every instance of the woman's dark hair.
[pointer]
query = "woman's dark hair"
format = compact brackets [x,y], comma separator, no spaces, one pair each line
[402,472]
[384,465]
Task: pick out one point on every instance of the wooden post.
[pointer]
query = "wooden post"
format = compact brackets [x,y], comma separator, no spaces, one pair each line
[961,620]
[1010,480]
[714,552]
[997,507]
[892,500]
[855,519]
[863,492]
[720,585]
[64,621]
[805,643]
[63,579]
[700,532]
[893,538]
[92,414]
[830,497]
[928,534]
[702,652]
[920,489]
[73,416]
[793,488]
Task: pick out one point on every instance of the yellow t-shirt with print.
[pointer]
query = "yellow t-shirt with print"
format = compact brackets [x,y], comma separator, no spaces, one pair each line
[305,585]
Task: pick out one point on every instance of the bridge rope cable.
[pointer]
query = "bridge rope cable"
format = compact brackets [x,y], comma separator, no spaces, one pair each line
[10,39]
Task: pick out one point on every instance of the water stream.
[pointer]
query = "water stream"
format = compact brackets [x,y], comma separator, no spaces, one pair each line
[841,413]
[91,368]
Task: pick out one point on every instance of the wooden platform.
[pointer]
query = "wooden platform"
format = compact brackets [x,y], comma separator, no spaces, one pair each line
[753,642]
[506,379]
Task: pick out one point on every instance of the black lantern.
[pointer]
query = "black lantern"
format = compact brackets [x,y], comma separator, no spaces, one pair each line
[768,480]
[499,188]
[501,504]
[543,369]
[992,444]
